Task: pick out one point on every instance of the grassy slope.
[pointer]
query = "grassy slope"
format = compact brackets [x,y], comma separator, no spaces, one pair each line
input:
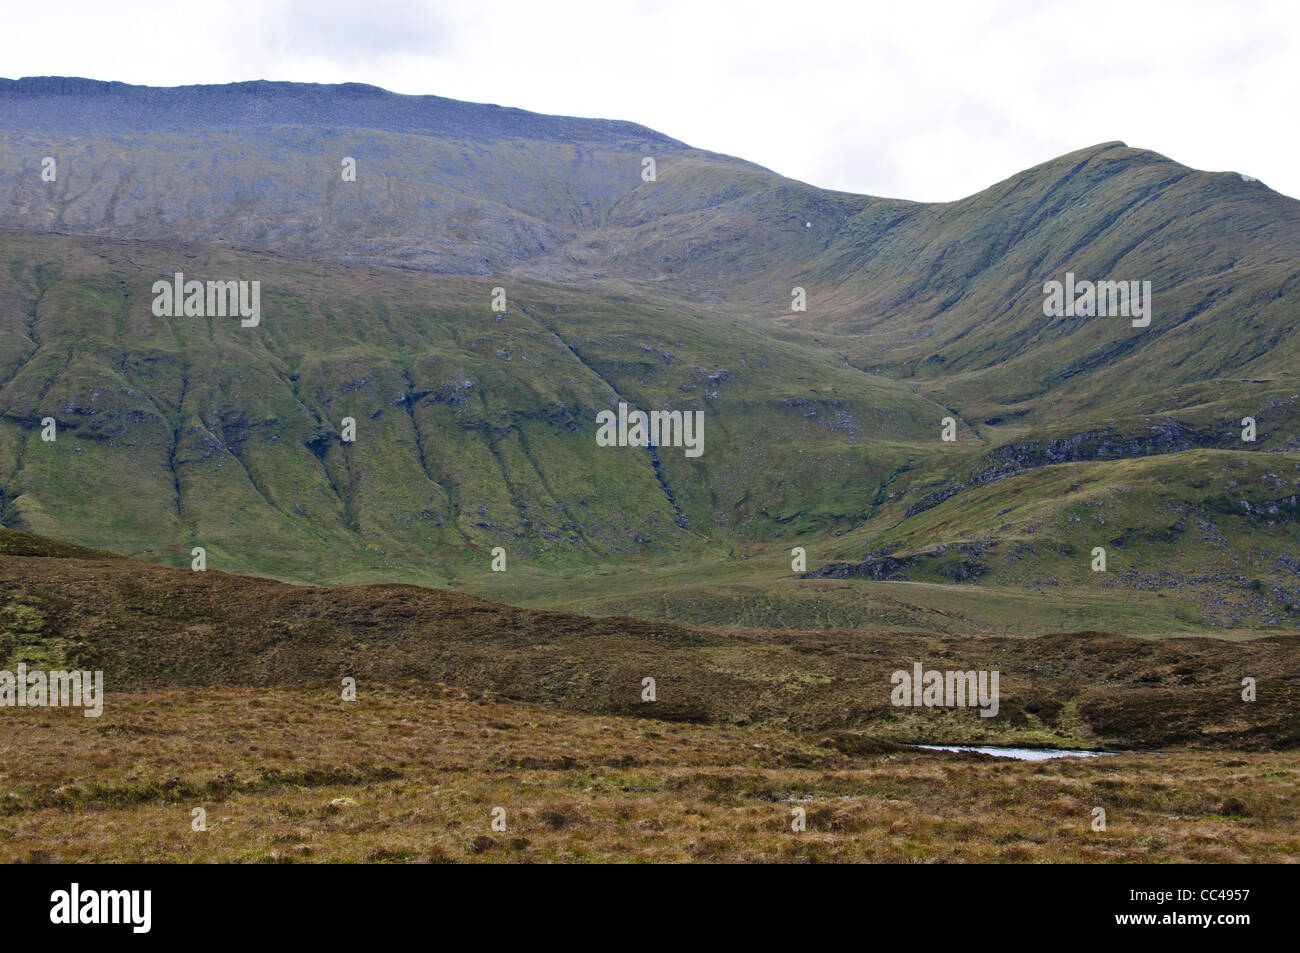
[475,429]
[149,626]
[1209,534]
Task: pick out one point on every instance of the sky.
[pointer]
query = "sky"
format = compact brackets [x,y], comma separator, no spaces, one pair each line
[914,99]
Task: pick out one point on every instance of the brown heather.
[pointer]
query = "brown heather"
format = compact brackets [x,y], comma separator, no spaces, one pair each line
[412,773]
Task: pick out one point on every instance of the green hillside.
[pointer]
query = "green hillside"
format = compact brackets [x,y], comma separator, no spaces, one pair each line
[476,428]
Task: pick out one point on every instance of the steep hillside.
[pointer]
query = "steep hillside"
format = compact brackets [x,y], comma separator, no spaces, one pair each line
[474,428]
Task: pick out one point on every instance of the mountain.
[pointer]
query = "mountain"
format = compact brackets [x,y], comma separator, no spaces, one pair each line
[476,428]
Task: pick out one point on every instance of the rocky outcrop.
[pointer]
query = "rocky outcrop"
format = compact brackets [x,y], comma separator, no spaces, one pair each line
[882,566]
[1106,444]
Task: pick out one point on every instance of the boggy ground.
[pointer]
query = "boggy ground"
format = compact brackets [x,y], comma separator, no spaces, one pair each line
[412,772]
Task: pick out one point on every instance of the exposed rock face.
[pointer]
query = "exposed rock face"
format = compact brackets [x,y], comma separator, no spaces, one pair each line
[874,567]
[881,566]
[1106,444]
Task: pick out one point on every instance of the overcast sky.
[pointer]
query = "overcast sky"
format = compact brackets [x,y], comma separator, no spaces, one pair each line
[907,98]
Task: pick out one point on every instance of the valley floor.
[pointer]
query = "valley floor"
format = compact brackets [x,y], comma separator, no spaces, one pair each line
[414,773]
